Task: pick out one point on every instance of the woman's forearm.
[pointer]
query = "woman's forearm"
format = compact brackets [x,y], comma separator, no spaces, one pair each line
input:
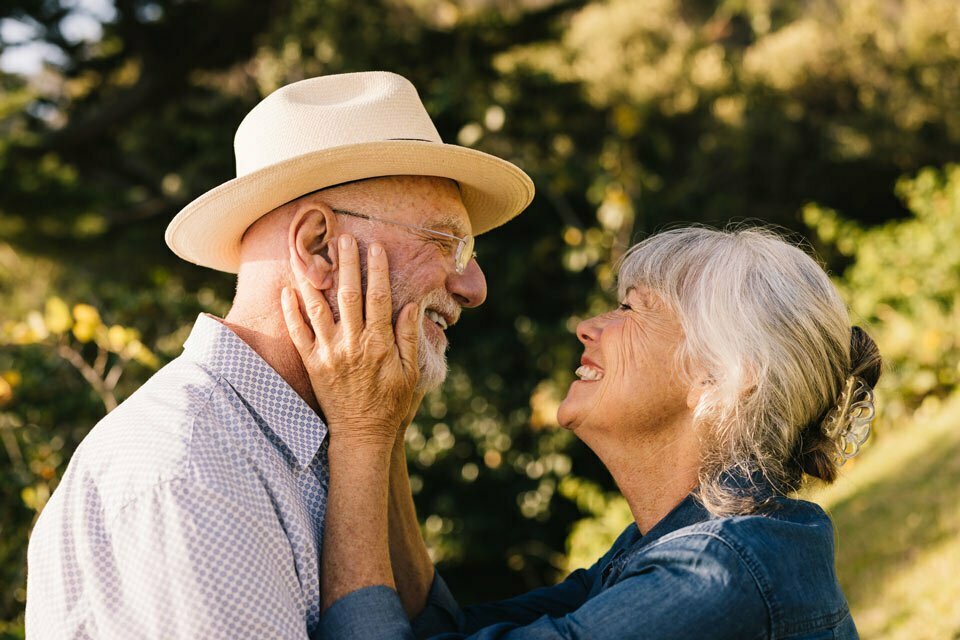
[355,551]
[412,566]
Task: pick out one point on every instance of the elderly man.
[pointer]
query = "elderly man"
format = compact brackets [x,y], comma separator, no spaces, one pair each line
[196,508]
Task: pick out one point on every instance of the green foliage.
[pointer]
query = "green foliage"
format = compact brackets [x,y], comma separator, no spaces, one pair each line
[68,333]
[628,115]
[904,284]
[750,109]
[592,536]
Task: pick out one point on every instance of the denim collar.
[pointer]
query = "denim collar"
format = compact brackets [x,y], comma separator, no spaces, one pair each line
[688,512]
[691,511]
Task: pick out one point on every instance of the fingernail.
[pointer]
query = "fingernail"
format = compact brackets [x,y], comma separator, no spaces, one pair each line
[376,249]
[344,242]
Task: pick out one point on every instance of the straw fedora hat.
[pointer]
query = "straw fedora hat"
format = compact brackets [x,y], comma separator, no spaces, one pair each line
[326,131]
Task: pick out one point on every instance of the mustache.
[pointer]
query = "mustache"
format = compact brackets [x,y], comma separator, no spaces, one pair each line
[443,303]
[438,300]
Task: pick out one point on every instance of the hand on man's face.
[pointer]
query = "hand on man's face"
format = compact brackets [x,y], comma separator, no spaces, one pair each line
[363,368]
[422,268]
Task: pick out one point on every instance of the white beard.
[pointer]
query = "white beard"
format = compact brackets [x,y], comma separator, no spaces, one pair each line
[433,363]
[431,357]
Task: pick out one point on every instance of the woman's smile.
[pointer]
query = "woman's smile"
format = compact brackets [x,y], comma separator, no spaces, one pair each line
[589,371]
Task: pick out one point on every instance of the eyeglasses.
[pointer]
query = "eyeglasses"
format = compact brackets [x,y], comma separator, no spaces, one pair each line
[461,257]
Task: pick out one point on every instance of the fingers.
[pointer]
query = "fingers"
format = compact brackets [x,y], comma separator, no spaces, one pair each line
[318,311]
[408,338]
[300,333]
[349,291]
[379,307]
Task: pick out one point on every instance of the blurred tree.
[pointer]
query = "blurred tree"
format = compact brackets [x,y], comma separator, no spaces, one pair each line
[628,115]
[721,109]
[904,285]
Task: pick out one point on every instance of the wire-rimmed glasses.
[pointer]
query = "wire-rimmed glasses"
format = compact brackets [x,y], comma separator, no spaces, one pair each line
[465,245]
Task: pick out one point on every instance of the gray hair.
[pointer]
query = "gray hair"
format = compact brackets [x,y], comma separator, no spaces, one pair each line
[761,318]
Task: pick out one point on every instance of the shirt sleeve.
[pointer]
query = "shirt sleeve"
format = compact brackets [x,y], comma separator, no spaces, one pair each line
[696,588]
[188,561]
[555,600]
[442,614]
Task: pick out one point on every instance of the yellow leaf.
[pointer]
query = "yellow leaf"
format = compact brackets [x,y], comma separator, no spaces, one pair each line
[84,332]
[37,326]
[88,321]
[6,391]
[35,497]
[20,333]
[57,316]
[86,313]
[117,338]
[144,356]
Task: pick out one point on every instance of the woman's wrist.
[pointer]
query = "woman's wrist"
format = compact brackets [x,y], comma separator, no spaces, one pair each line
[361,448]
[356,553]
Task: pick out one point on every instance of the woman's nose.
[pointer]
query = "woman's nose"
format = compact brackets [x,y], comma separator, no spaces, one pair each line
[589,330]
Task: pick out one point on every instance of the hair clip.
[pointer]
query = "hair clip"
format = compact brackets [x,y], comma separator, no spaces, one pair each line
[850,422]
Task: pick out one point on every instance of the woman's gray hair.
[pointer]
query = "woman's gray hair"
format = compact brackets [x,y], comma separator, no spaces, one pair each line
[770,334]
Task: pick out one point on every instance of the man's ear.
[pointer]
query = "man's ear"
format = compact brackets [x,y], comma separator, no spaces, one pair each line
[312,229]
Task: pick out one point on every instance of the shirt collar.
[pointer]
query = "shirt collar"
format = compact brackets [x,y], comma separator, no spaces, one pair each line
[691,511]
[688,512]
[218,349]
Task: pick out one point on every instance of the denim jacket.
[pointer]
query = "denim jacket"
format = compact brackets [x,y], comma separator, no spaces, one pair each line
[692,575]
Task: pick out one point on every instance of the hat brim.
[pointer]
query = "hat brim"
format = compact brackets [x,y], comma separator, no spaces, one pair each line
[207,231]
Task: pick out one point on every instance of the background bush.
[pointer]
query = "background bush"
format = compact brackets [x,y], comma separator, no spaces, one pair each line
[817,116]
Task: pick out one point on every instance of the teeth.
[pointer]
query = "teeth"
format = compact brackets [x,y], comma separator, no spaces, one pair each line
[589,373]
[437,318]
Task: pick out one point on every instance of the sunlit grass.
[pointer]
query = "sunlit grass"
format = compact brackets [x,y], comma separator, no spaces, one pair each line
[897,515]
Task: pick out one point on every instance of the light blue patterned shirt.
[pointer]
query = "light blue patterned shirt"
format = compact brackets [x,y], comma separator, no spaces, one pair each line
[193,510]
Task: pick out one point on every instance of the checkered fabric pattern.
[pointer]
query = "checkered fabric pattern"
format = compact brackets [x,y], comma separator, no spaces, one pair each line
[194,510]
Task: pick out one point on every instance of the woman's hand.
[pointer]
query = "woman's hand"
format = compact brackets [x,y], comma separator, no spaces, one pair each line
[364,373]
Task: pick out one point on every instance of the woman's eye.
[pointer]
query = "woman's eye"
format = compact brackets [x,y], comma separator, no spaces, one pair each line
[625,307]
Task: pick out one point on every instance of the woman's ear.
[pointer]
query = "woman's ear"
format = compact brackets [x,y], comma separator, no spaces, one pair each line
[312,229]
[702,383]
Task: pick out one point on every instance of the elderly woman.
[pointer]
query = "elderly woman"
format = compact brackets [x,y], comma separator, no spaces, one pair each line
[727,374]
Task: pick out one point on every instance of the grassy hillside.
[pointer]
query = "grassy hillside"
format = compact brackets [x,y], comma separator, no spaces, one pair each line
[897,514]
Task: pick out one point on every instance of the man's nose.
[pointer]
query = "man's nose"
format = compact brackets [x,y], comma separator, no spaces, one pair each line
[469,289]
